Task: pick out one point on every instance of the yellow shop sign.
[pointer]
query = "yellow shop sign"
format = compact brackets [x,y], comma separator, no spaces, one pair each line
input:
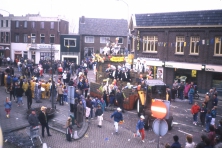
[117,59]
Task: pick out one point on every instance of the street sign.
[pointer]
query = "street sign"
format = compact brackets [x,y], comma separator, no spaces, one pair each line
[158,109]
[160,127]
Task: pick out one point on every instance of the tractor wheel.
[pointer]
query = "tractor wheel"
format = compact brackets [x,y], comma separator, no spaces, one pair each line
[146,122]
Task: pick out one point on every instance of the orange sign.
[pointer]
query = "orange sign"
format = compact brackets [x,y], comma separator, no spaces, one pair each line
[158,109]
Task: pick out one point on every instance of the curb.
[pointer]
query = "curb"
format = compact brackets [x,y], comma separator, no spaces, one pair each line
[16,129]
[81,132]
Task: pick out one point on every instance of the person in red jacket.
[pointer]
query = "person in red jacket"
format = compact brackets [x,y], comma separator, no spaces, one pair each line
[194,110]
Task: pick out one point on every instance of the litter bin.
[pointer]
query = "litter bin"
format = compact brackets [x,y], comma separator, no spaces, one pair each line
[73,119]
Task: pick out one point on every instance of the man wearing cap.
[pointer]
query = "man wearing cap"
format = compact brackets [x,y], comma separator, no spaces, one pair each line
[99,115]
[43,119]
[140,128]
[117,118]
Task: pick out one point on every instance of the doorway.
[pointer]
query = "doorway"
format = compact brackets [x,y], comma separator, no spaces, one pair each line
[18,56]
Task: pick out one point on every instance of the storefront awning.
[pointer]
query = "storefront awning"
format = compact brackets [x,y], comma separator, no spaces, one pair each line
[213,68]
[183,65]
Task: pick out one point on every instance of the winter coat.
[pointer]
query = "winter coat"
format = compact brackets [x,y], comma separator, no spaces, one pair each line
[195,109]
[117,116]
[139,125]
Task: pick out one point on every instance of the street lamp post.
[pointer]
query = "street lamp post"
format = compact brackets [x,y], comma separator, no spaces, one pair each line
[128,21]
[52,87]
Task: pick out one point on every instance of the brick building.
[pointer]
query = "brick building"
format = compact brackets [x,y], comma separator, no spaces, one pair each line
[33,37]
[186,45]
[95,33]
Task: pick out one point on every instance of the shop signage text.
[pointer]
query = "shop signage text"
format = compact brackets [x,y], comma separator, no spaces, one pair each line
[169,66]
[42,46]
[209,69]
[117,59]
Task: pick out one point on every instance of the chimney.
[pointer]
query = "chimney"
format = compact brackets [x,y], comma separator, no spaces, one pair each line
[82,20]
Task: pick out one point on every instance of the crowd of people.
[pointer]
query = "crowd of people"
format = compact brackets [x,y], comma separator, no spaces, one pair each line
[32,84]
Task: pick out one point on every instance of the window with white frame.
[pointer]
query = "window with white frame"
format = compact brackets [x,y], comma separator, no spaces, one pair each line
[104,39]
[6,23]
[89,39]
[180,44]
[88,51]
[218,46]
[52,25]
[52,38]
[2,23]
[194,45]
[17,24]
[150,43]
[69,42]
[17,37]
[2,37]
[42,38]
[25,38]
[33,37]
[120,40]
[33,24]
[42,25]
[25,24]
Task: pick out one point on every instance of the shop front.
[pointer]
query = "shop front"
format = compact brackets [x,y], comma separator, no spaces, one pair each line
[187,72]
[216,76]
[4,51]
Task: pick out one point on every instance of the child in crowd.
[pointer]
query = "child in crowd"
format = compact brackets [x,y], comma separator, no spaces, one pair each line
[194,110]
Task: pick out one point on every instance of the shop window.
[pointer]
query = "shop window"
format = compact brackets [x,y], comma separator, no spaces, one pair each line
[194,45]
[42,25]
[25,24]
[25,54]
[52,38]
[17,24]
[89,39]
[25,38]
[88,51]
[17,37]
[69,42]
[47,55]
[52,25]
[218,46]
[180,44]
[33,37]
[33,24]
[104,39]
[42,38]
[150,44]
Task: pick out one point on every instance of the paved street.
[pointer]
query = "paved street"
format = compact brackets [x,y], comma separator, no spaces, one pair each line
[104,137]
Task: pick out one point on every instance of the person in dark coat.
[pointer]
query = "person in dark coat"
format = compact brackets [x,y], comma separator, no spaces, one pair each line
[176,143]
[33,119]
[43,119]
[120,99]
[28,94]
[75,109]
[80,112]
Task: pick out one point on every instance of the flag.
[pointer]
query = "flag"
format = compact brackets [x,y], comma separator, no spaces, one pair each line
[185,43]
[164,44]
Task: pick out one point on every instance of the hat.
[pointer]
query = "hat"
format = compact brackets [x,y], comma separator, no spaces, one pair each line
[142,117]
[207,93]
[32,109]
[43,108]
[118,109]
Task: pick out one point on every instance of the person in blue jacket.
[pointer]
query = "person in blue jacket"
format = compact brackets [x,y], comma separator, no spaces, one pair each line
[140,128]
[208,121]
[117,118]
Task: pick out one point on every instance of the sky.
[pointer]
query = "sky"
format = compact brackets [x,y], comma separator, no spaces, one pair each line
[71,10]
